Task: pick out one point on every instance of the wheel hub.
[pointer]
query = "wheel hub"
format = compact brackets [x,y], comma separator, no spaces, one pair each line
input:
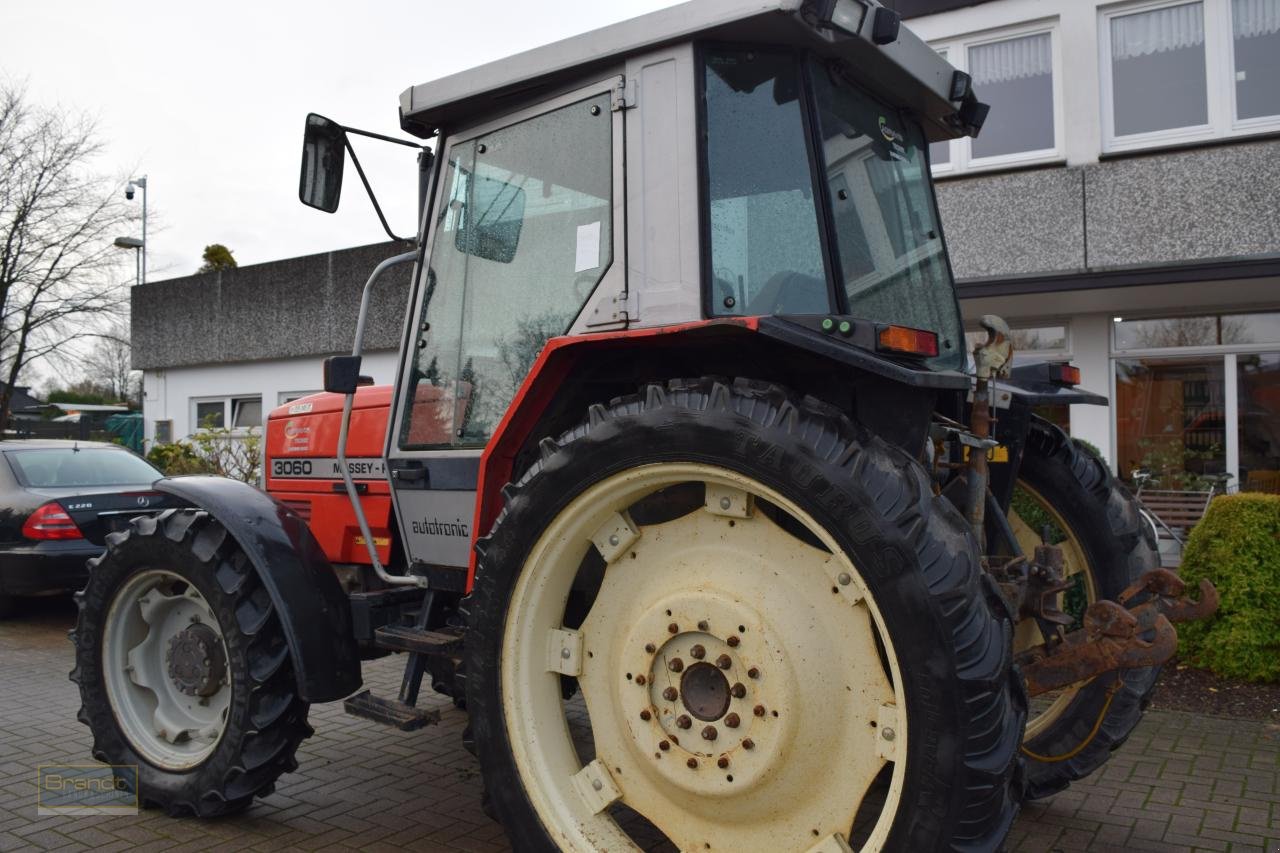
[705,692]
[711,702]
[197,663]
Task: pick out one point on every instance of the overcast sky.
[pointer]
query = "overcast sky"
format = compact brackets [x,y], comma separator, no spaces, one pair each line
[208,101]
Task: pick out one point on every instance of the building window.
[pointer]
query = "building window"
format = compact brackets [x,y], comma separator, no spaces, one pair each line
[1182,71]
[1040,342]
[1197,331]
[164,432]
[211,414]
[1171,420]
[289,396]
[1197,400]
[1017,73]
[246,412]
[242,413]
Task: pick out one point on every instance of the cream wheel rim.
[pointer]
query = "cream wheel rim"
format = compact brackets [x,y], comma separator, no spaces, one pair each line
[734,675]
[1027,634]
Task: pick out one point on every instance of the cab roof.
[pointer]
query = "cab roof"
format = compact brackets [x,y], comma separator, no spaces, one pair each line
[907,72]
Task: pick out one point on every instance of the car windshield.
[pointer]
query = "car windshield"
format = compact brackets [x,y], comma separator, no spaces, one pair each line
[765,219]
[67,467]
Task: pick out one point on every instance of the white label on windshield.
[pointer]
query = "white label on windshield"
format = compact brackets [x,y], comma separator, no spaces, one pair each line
[588,254]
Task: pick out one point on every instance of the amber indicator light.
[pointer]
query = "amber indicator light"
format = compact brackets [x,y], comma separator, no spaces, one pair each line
[908,340]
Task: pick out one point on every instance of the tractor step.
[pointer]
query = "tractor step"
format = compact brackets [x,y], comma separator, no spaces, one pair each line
[407,638]
[390,712]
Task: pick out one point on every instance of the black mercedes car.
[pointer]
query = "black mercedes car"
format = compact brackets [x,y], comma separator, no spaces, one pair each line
[58,502]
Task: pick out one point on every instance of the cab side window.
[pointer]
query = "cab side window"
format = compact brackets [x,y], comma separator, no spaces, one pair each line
[523,236]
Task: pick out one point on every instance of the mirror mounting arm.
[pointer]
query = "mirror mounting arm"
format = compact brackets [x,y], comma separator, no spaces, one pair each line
[377,208]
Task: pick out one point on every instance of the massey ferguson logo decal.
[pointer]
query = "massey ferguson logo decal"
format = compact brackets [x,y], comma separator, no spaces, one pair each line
[436,527]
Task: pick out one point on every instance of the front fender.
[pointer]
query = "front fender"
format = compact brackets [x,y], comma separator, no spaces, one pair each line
[314,611]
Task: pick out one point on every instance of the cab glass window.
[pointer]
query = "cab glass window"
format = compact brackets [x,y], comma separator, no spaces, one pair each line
[766,257]
[523,235]
[888,241]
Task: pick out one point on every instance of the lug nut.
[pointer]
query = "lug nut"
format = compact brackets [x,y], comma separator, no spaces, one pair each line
[683,721]
[733,642]
[888,734]
[692,764]
[753,673]
[724,661]
[723,762]
[650,648]
[758,710]
[844,578]
[645,715]
[703,625]
[748,744]
[698,652]
[675,665]
[640,679]
[732,721]
[709,733]
[673,628]
[738,690]
[663,745]
[670,694]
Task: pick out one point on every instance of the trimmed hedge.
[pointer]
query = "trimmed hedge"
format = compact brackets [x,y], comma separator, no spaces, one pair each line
[1237,546]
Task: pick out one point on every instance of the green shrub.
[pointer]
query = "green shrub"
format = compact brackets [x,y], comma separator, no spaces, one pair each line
[178,459]
[212,450]
[1237,546]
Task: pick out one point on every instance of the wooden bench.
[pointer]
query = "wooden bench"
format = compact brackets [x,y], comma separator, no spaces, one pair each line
[1175,512]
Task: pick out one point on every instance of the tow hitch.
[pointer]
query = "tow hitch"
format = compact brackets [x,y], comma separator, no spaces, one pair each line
[1118,636]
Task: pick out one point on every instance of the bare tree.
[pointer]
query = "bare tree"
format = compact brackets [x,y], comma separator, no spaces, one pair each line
[107,363]
[58,218]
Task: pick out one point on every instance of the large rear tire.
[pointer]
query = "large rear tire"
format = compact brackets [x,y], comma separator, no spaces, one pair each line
[1108,546]
[183,667]
[760,563]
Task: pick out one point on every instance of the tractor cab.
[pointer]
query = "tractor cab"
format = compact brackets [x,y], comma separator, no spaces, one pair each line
[716,162]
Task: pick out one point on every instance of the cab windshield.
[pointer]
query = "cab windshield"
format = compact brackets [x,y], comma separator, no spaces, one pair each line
[881,256]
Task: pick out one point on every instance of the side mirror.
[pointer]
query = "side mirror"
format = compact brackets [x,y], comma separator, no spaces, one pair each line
[324,145]
[491,227]
[342,374]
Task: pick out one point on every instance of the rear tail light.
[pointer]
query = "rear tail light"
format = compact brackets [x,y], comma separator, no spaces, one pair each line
[907,340]
[51,522]
[1065,374]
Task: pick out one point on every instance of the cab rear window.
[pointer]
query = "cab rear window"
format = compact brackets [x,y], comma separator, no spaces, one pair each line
[72,467]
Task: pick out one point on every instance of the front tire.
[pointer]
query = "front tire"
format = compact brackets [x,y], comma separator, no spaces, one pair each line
[183,667]
[872,693]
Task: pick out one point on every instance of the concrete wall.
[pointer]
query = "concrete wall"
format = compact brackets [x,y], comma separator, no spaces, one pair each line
[1161,208]
[284,309]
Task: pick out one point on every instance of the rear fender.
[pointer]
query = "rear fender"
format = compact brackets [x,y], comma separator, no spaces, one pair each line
[572,373]
[313,609]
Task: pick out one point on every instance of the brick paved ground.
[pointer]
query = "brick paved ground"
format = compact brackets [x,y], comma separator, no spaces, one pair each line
[1182,783]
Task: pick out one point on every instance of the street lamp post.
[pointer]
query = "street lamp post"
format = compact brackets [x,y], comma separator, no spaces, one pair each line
[135,244]
[134,184]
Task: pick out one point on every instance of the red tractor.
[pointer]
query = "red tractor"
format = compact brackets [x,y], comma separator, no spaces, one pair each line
[686,490]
